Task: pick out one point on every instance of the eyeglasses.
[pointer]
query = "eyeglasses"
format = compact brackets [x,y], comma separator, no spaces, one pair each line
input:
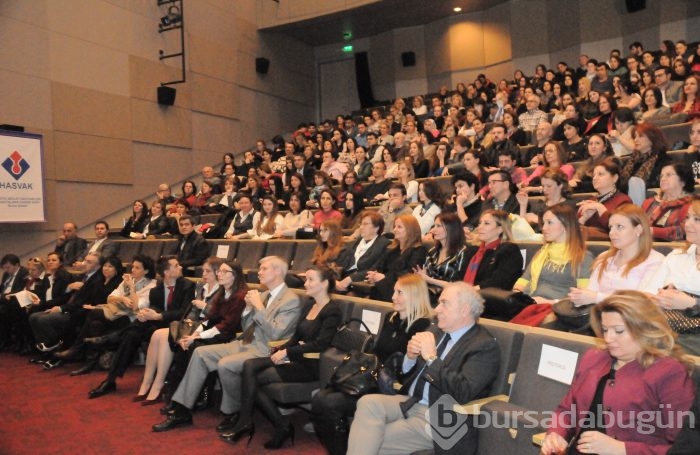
[224,271]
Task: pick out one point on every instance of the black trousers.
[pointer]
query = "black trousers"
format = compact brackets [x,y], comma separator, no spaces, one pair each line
[131,339]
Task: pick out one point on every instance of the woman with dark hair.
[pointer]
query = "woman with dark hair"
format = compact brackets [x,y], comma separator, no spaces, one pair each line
[430,203]
[354,205]
[555,189]
[327,210]
[640,371]
[594,214]
[405,252]
[421,166]
[362,167]
[667,212]
[466,202]
[350,183]
[189,192]
[628,96]
[598,148]
[642,168]
[322,182]
[562,263]
[277,191]
[206,192]
[689,103]
[513,130]
[296,218]
[472,163]
[157,223]
[318,324]
[227,159]
[621,137]
[653,105]
[332,409]
[134,226]
[603,121]
[216,311]
[297,185]
[95,323]
[573,143]
[446,260]
[255,190]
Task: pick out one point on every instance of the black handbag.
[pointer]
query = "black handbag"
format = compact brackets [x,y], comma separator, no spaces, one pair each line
[502,304]
[574,318]
[357,374]
[388,375]
[350,339]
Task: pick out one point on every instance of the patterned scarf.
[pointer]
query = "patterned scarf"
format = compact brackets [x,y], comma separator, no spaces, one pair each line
[475,262]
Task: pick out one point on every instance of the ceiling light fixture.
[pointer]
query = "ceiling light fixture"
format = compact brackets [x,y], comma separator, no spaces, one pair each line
[457,9]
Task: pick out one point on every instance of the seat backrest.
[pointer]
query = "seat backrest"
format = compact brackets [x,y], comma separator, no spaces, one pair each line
[510,340]
[170,247]
[301,262]
[282,248]
[533,390]
[224,248]
[128,249]
[152,248]
[250,252]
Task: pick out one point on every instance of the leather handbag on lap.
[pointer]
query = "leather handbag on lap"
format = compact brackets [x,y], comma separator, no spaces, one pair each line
[502,304]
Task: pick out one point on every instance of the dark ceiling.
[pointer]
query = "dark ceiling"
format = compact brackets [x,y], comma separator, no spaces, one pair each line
[376,18]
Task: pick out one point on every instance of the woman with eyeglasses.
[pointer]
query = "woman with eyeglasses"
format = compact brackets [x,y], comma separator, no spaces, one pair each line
[667,211]
[216,313]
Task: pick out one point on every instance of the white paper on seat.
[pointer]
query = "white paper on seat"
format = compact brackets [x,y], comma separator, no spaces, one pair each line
[523,251]
[372,319]
[558,364]
[222,251]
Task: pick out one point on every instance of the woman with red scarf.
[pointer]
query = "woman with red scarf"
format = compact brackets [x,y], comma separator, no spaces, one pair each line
[496,262]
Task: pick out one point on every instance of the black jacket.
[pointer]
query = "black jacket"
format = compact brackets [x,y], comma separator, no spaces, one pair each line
[184,293]
[194,251]
[368,261]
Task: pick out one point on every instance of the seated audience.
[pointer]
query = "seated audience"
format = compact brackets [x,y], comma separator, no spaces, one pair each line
[430,204]
[69,246]
[234,223]
[667,211]
[555,190]
[649,372]
[189,192]
[598,148]
[318,324]
[327,210]
[266,222]
[594,214]
[466,202]
[297,217]
[653,106]
[502,193]
[331,410]
[689,102]
[621,136]
[553,157]
[354,206]
[462,360]
[156,224]
[192,249]
[643,166]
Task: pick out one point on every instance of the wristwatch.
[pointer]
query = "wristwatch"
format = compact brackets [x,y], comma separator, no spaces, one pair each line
[431,359]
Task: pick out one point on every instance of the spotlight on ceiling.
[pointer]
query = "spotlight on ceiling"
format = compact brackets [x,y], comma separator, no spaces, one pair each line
[457,9]
[173,17]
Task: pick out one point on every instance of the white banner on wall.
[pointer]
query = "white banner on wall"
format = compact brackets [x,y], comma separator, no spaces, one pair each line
[21,178]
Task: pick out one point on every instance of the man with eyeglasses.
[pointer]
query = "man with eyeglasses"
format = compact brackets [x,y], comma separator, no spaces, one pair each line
[502,196]
[670,90]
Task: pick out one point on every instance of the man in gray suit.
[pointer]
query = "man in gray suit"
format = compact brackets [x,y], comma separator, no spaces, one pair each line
[458,358]
[268,316]
[102,244]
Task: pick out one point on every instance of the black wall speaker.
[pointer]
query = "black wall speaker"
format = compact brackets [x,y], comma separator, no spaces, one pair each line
[635,5]
[408,58]
[166,95]
[262,65]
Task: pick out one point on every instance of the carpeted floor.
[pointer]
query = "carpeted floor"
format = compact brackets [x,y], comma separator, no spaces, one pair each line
[48,412]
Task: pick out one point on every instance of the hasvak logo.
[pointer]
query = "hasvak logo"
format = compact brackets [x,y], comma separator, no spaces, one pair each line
[15,165]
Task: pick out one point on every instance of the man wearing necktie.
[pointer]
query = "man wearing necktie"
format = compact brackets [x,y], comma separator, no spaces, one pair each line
[167,302]
[268,316]
[458,358]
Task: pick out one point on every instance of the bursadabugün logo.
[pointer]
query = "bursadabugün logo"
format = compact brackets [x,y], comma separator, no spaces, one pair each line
[15,165]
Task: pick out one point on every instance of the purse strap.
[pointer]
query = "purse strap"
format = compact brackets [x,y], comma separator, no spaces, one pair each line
[346,324]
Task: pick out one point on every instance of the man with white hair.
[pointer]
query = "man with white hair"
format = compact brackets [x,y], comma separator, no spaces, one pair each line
[268,316]
[458,358]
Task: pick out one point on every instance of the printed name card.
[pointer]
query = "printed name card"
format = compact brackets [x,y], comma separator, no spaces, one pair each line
[558,364]
[372,319]
[222,251]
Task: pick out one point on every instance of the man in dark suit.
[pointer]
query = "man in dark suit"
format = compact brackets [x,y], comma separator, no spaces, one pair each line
[167,302]
[364,253]
[192,248]
[52,325]
[458,359]
[102,245]
[268,316]
[14,278]
[306,170]
[69,245]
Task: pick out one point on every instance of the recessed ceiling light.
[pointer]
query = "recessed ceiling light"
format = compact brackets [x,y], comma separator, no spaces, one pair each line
[457,9]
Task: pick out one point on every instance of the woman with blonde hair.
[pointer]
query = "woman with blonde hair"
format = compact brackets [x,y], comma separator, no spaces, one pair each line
[640,371]
[332,409]
[404,253]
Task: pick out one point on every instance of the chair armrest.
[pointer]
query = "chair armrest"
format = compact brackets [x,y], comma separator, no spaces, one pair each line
[538,439]
[276,343]
[474,406]
[312,355]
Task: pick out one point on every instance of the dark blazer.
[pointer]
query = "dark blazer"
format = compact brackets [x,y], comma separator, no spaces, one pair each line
[325,326]
[367,261]
[500,268]
[93,292]
[221,225]
[20,280]
[466,373]
[72,250]
[194,252]
[184,293]
[134,225]
[58,293]
[159,226]
[393,264]
[108,248]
